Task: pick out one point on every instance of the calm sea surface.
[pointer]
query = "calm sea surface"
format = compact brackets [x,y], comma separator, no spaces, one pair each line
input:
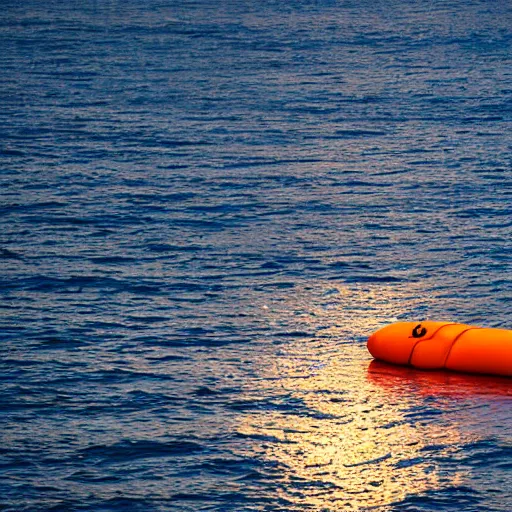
[206,208]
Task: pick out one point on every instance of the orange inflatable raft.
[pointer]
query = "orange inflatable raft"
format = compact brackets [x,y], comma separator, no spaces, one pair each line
[442,345]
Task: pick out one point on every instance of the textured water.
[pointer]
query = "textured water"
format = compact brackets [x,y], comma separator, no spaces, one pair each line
[206,209]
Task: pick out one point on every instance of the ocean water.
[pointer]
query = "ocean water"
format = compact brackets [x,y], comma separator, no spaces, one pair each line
[206,208]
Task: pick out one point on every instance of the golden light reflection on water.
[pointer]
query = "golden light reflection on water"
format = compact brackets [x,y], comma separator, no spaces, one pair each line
[350,438]
[352,442]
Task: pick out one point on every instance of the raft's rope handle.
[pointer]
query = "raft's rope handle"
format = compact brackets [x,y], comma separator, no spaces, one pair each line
[419,331]
[426,339]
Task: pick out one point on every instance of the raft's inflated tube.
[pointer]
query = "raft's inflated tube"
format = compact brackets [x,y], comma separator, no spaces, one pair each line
[442,345]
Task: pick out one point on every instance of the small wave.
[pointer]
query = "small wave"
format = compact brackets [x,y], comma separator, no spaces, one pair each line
[132,450]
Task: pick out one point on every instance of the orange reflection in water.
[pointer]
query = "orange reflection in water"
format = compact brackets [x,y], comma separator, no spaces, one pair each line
[437,383]
[355,436]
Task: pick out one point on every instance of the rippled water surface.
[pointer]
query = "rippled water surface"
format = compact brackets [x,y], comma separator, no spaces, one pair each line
[206,209]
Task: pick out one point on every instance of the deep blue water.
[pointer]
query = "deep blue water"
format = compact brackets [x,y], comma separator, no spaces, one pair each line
[206,208]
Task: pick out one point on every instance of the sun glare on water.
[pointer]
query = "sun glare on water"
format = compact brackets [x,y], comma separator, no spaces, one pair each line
[354,435]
